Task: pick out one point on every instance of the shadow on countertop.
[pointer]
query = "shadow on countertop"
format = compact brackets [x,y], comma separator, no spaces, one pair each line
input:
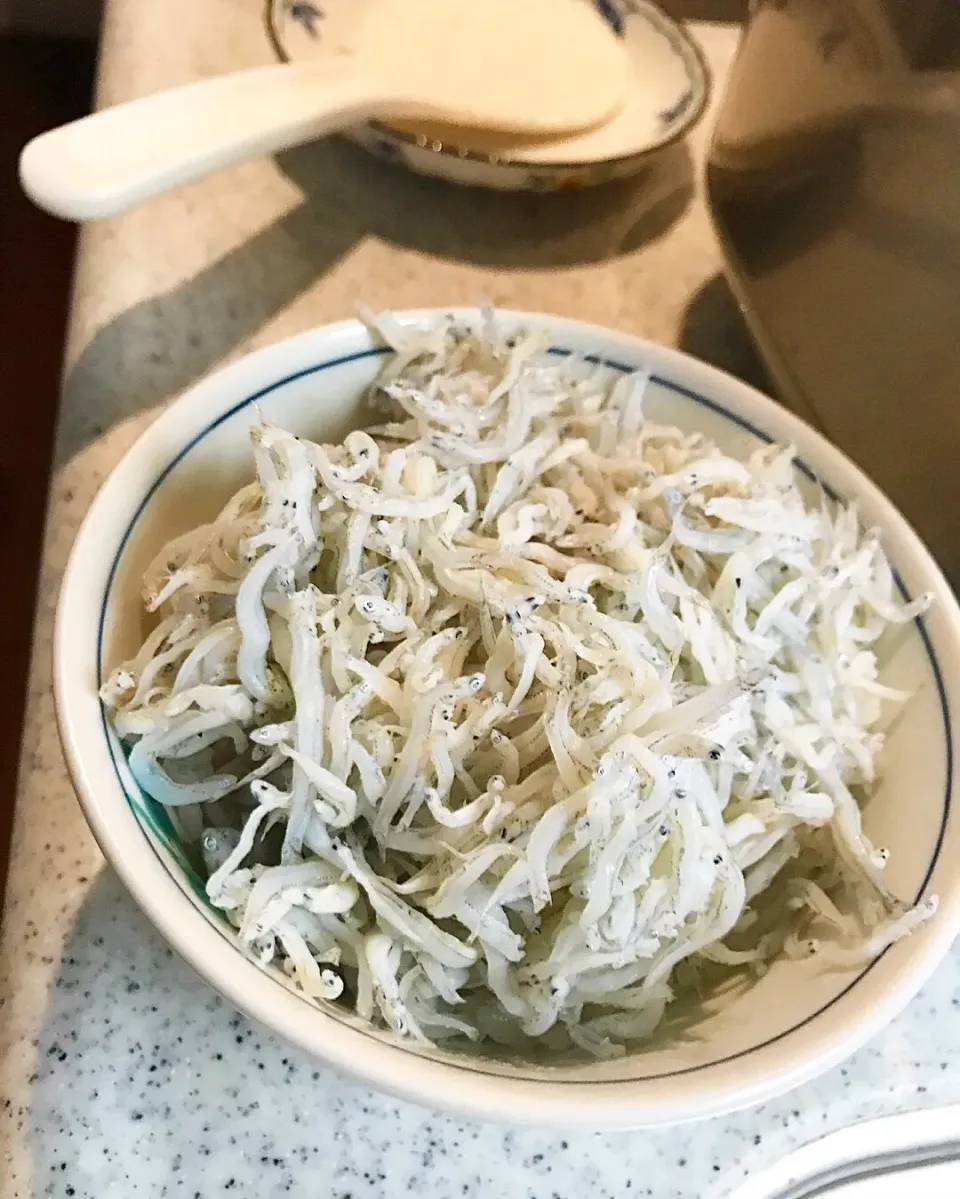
[714,330]
[509,230]
[164,344]
[145,1081]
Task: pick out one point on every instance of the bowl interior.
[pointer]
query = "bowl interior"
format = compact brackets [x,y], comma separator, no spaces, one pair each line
[198,454]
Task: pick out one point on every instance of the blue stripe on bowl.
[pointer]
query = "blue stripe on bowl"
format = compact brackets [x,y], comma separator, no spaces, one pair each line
[153,818]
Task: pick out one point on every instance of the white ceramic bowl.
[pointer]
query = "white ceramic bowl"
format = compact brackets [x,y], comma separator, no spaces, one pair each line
[793,1023]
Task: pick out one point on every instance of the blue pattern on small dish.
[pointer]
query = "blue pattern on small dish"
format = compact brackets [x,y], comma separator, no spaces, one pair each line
[293,27]
[612,15]
[669,115]
[306,14]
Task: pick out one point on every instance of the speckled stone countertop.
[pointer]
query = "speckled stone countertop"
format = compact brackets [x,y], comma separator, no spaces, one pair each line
[121,1074]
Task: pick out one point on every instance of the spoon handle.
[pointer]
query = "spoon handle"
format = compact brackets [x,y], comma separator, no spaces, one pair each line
[110,161]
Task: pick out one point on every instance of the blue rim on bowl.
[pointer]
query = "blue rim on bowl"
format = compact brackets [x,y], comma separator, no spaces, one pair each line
[156,824]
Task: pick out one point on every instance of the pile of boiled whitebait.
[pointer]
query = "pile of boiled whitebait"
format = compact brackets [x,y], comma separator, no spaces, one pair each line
[511,716]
